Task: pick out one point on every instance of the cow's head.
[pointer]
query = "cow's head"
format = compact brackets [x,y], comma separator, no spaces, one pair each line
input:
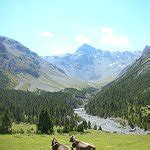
[72,138]
[54,142]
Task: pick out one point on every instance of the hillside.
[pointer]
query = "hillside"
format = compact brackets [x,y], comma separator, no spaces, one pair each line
[25,70]
[91,64]
[128,96]
[25,106]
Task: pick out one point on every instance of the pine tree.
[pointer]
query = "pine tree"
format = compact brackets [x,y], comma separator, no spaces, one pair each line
[6,123]
[100,128]
[80,128]
[65,129]
[44,124]
[85,125]
[95,127]
[89,125]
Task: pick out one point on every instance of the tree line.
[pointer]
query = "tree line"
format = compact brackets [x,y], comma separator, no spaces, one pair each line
[26,106]
[128,98]
[45,109]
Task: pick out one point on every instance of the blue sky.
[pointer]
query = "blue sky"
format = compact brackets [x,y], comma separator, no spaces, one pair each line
[50,27]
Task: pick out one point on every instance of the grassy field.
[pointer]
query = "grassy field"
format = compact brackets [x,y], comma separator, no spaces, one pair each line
[102,140]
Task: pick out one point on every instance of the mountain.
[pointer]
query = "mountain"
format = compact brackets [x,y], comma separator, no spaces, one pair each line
[128,96]
[20,68]
[91,64]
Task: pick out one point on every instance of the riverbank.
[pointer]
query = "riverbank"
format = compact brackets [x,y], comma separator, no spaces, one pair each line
[109,124]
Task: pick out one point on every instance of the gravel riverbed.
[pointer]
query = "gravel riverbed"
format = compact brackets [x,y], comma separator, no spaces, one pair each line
[108,124]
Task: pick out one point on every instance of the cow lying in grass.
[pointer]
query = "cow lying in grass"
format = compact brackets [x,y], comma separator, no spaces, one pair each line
[81,145]
[57,146]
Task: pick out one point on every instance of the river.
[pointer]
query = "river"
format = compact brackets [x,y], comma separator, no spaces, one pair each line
[109,124]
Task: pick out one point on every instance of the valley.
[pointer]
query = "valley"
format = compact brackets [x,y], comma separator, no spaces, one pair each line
[128,96]
[74,75]
[112,101]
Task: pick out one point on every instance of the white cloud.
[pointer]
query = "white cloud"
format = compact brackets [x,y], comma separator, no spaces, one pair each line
[109,38]
[81,39]
[106,30]
[46,34]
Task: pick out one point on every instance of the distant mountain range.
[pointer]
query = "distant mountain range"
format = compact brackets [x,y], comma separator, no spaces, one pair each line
[128,96]
[91,64]
[20,68]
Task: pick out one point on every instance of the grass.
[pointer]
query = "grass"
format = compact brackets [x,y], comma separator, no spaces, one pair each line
[102,140]
[23,128]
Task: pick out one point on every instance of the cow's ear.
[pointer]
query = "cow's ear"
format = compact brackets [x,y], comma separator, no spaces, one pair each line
[72,137]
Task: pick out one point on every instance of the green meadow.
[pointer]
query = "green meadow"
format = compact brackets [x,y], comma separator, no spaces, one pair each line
[102,141]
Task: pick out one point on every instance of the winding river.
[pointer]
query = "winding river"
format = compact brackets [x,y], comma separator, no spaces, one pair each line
[109,124]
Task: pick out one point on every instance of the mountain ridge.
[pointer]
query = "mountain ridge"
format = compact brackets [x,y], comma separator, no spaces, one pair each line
[91,64]
[29,71]
[128,96]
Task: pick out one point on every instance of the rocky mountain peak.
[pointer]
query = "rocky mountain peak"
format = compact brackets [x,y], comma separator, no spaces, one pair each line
[2,38]
[86,50]
[146,51]
[16,45]
[90,64]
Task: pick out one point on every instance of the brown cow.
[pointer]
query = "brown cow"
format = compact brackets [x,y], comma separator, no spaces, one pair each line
[81,145]
[57,146]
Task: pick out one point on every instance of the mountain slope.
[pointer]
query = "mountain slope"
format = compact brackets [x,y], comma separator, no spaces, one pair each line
[88,63]
[128,96]
[27,71]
